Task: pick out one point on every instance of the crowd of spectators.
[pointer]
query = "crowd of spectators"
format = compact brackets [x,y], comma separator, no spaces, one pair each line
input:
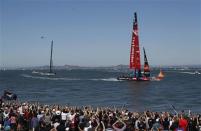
[16,116]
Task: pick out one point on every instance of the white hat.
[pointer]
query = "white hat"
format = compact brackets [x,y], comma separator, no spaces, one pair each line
[58,112]
[157,120]
[110,114]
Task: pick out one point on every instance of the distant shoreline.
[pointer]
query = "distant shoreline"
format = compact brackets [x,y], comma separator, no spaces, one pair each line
[115,67]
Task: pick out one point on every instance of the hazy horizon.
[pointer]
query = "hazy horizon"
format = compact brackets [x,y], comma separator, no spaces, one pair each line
[97,66]
[98,33]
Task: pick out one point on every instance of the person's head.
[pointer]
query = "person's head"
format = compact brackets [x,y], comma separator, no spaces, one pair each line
[58,112]
[6,119]
[72,112]
[47,113]
[175,118]
[157,120]
[166,118]
[81,112]
[119,125]
[100,129]
[53,111]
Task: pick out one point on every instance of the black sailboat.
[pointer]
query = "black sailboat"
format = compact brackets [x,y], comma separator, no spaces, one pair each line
[51,61]
[50,73]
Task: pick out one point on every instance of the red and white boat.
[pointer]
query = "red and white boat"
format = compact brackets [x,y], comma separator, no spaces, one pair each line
[135,64]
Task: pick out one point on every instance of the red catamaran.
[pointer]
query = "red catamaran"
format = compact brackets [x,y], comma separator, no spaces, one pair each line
[135,64]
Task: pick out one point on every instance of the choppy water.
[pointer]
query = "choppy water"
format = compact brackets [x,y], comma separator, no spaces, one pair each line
[100,88]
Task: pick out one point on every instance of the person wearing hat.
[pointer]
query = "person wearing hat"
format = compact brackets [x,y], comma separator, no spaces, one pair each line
[58,115]
[156,125]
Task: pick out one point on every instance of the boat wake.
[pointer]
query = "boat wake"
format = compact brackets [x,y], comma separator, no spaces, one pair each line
[191,73]
[67,79]
[107,79]
[43,73]
[48,78]
[155,79]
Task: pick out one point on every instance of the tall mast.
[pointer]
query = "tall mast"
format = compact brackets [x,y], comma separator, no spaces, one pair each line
[135,49]
[51,62]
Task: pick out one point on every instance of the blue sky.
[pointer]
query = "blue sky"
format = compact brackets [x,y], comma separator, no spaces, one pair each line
[98,32]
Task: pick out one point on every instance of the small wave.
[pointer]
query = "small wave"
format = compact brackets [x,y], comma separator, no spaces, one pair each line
[154,79]
[76,79]
[64,78]
[35,72]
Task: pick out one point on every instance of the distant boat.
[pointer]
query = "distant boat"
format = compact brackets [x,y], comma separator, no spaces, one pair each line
[50,73]
[135,64]
[161,75]
[197,73]
[35,72]
[9,95]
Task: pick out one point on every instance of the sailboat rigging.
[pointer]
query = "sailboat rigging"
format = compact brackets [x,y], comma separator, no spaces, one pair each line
[50,73]
[135,64]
